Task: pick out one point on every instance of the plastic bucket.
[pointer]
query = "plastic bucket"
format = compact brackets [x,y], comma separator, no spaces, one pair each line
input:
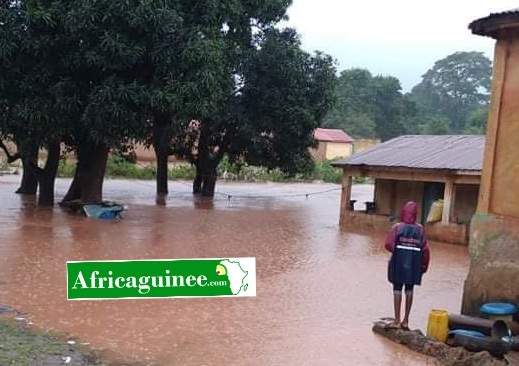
[438,325]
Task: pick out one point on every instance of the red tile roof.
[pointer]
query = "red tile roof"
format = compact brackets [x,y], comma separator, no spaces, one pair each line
[331,135]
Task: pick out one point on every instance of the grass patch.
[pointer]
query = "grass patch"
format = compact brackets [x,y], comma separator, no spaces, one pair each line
[20,346]
[118,167]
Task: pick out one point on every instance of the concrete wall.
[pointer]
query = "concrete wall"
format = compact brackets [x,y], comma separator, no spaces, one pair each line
[408,191]
[494,235]
[505,175]
[494,270]
[384,193]
[447,233]
[336,150]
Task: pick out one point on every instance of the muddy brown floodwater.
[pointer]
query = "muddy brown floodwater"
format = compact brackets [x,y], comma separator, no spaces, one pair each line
[318,288]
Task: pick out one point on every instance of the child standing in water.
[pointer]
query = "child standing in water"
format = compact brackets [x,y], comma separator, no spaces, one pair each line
[409,260]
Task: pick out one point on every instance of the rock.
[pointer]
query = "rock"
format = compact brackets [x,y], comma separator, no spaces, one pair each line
[418,342]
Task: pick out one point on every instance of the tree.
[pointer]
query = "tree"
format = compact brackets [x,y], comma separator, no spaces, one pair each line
[27,115]
[286,95]
[436,126]
[280,94]
[477,121]
[454,86]
[368,106]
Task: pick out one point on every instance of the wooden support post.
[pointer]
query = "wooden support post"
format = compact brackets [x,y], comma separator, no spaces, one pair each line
[345,195]
[448,196]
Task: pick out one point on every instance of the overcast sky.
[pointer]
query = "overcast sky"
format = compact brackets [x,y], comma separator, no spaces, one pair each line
[401,38]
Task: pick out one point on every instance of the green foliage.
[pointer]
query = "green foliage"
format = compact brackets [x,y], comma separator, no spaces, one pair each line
[368,106]
[181,172]
[454,87]
[66,168]
[436,126]
[286,94]
[119,167]
[321,171]
[101,74]
[477,121]
[325,172]
[23,345]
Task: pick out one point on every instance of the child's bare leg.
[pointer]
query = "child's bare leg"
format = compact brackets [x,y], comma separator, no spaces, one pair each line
[408,305]
[397,303]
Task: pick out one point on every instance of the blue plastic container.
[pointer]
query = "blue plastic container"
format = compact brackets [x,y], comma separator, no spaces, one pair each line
[466,332]
[498,310]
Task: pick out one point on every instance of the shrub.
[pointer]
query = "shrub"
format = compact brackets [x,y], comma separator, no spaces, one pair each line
[182,172]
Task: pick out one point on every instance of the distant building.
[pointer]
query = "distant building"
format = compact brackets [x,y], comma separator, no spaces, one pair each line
[419,168]
[333,144]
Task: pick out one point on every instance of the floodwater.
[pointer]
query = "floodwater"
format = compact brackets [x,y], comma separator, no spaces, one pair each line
[318,288]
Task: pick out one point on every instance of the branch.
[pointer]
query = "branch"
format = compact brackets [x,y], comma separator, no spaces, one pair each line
[226,140]
[10,158]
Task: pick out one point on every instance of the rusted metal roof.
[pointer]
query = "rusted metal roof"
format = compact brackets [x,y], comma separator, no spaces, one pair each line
[495,22]
[331,135]
[452,152]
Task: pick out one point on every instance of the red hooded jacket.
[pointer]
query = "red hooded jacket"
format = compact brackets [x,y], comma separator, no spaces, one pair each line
[408,216]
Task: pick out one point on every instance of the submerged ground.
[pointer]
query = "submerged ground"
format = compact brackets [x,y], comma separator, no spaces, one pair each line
[318,288]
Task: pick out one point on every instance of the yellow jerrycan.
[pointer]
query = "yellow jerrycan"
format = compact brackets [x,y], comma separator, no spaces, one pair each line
[438,325]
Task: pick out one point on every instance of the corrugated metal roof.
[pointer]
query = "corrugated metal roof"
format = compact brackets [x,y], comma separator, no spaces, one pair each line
[452,152]
[493,23]
[331,135]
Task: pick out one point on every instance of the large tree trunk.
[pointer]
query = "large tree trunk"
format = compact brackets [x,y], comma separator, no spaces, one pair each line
[87,185]
[162,135]
[47,176]
[29,183]
[197,182]
[162,173]
[93,173]
[209,182]
[74,191]
[207,163]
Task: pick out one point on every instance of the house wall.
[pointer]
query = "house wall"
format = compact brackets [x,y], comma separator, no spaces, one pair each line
[384,193]
[465,203]
[446,233]
[391,195]
[319,154]
[336,150]
[147,155]
[408,191]
[505,170]
[494,235]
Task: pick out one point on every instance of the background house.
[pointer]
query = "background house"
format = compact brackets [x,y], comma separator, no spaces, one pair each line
[419,168]
[333,144]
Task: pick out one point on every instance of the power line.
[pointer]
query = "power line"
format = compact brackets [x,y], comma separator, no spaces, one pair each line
[230,196]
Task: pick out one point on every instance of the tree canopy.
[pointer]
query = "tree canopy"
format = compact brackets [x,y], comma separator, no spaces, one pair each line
[452,97]
[454,87]
[101,75]
[368,106]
